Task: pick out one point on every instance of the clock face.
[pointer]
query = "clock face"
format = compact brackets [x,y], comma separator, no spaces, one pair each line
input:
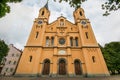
[40,22]
[83,22]
[62,41]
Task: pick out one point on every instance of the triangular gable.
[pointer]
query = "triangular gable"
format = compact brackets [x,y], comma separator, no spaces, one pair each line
[53,26]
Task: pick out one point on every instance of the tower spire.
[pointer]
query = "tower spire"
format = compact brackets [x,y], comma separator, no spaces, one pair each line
[46,5]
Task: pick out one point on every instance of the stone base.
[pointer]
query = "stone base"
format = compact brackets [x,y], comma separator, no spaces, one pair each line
[26,75]
[56,75]
[97,75]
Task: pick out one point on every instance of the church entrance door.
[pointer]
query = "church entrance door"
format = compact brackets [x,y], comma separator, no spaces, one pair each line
[62,67]
[78,70]
[46,67]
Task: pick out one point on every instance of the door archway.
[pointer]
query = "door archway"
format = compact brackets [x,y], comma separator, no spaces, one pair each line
[46,67]
[78,69]
[62,67]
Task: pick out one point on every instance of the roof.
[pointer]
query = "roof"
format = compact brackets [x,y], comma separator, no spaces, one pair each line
[15,48]
[46,5]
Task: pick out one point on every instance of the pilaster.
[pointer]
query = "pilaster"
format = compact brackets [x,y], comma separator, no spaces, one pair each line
[36,66]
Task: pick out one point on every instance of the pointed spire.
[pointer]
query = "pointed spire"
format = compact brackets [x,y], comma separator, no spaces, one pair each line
[46,5]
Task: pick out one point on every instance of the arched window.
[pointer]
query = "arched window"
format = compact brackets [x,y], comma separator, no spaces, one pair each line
[93,59]
[61,22]
[71,41]
[37,33]
[80,13]
[30,58]
[43,13]
[86,33]
[52,41]
[46,67]
[76,41]
[47,41]
[71,29]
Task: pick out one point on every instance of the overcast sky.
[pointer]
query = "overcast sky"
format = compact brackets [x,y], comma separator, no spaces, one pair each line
[15,27]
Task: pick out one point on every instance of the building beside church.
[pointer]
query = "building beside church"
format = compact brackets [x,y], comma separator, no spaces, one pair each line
[62,48]
[2,64]
[11,61]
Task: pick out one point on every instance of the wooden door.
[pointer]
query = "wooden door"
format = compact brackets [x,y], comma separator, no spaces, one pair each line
[78,70]
[46,68]
[62,67]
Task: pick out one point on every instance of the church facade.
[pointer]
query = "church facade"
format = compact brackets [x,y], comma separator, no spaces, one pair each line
[62,48]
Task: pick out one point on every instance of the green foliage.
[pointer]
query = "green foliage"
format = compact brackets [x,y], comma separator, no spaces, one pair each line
[111,53]
[108,6]
[4,7]
[73,3]
[3,50]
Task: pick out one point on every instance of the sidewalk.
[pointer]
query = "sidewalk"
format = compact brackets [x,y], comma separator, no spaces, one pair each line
[115,77]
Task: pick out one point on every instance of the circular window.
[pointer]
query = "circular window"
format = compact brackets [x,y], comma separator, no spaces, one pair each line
[62,41]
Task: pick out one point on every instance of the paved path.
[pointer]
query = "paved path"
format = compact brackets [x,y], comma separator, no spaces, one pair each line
[116,77]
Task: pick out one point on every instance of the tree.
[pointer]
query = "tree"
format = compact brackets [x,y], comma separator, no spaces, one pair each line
[73,3]
[4,7]
[3,49]
[108,6]
[111,53]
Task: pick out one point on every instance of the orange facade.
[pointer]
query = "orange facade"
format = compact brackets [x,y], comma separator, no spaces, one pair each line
[62,48]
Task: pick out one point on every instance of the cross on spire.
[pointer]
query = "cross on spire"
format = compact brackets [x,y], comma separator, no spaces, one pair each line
[61,14]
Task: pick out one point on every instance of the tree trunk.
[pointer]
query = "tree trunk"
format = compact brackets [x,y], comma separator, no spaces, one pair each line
[113,72]
[118,71]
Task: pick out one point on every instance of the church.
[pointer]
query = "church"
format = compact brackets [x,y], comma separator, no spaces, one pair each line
[62,48]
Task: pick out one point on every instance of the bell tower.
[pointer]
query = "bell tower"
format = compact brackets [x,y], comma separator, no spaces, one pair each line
[79,14]
[38,29]
[95,64]
[85,30]
[44,13]
[34,45]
